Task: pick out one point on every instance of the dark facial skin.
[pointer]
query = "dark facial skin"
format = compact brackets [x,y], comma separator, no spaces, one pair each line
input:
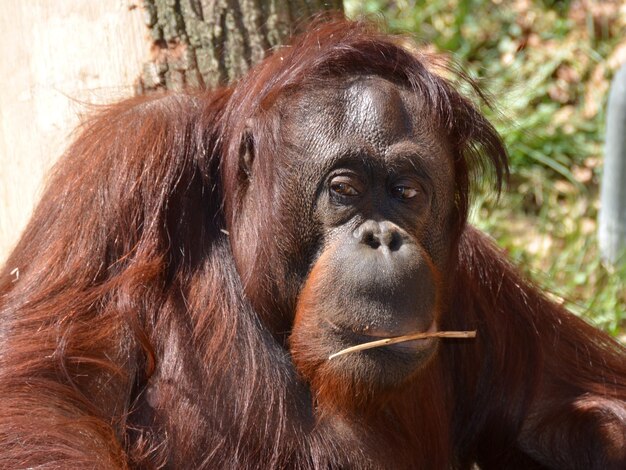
[368,185]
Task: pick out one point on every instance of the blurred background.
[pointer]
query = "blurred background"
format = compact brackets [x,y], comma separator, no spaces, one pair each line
[547,65]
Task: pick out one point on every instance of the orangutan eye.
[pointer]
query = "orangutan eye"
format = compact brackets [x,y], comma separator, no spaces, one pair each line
[341,186]
[404,192]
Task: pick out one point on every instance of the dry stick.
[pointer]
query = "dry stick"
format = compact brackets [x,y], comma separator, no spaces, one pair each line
[402,339]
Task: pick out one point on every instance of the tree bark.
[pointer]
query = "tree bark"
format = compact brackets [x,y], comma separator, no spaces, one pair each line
[205,43]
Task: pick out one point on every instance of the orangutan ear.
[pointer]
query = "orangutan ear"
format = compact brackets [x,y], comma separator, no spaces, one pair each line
[246,152]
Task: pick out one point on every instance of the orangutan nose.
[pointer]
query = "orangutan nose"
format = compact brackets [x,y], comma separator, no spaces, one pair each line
[379,235]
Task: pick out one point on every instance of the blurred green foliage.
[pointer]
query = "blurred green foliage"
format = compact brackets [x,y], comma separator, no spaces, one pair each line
[547,64]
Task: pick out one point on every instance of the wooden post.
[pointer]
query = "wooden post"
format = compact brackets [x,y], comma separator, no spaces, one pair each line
[612,219]
[58,58]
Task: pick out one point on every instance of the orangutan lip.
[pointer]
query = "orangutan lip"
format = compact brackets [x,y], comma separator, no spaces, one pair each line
[340,330]
[374,335]
[351,336]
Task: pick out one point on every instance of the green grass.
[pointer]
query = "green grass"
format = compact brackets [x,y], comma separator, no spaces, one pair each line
[547,65]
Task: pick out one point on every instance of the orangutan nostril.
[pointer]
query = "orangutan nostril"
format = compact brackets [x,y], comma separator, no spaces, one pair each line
[379,234]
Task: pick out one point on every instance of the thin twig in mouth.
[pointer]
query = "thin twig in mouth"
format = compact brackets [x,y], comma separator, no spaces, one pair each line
[401,339]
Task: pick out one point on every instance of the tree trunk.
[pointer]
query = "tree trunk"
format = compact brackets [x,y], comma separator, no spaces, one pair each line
[211,42]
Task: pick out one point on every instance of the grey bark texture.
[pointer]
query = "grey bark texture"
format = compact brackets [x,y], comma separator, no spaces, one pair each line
[612,223]
[205,43]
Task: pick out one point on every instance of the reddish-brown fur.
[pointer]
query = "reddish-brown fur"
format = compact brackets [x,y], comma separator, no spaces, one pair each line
[334,393]
[131,339]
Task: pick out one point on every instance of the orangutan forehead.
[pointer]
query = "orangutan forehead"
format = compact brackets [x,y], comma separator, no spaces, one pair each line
[353,102]
[371,111]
